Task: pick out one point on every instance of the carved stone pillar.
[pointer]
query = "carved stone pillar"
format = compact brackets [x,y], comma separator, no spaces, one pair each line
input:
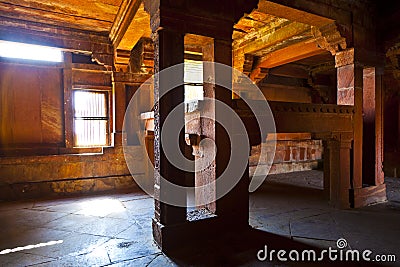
[174,227]
[169,51]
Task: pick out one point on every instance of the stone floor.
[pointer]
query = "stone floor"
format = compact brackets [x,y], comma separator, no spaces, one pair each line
[288,211]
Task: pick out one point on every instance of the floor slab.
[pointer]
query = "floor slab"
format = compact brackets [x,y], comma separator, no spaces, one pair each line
[115,229]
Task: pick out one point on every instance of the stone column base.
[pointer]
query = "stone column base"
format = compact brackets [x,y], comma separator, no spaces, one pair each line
[171,238]
[361,197]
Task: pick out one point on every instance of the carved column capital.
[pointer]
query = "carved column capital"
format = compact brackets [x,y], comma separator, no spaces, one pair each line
[344,58]
[336,139]
[392,54]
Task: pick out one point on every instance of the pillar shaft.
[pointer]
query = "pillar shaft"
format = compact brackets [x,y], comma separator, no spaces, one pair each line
[207,126]
[119,105]
[369,127]
[338,175]
[357,86]
[349,92]
[169,51]
[379,141]
[360,86]
[238,198]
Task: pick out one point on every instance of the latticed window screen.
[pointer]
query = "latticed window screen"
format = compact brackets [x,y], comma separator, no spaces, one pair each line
[90,118]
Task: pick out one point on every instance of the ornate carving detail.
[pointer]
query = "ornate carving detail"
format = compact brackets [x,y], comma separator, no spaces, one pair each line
[344,58]
[142,56]
[393,54]
[310,108]
[307,108]
[344,138]
[258,74]
[328,37]
[248,64]
[393,68]
[340,140]
[121,60]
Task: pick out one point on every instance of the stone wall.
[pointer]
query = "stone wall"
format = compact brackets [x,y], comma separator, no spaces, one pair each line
[294,152]
[37,152]
[35,176]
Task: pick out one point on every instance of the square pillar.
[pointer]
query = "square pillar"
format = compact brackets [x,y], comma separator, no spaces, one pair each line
[234,206]
[174,227]
[338,160]
[207,127]
[350,92]
[327,170]
[169,51]
[119,106]
[370,162]
[360,87]
[379,134]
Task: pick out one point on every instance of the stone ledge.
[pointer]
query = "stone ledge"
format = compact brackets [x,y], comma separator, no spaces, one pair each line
[28,190]
[285,167]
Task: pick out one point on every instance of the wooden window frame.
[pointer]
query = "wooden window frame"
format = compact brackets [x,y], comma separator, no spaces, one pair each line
[69,88]
[106,118]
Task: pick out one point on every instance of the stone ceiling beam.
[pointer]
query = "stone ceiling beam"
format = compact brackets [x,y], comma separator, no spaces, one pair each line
[131,23]
[290,54]
[271,35]
[286,55]
[123,19]
[292,14]
[75,14]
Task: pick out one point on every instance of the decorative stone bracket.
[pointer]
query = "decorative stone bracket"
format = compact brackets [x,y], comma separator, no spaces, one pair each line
[328,37]
[393,55]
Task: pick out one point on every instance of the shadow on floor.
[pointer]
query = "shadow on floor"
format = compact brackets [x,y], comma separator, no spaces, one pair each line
[241,249]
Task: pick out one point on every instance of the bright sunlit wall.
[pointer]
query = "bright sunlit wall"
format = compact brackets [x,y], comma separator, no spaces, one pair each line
[30,52]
